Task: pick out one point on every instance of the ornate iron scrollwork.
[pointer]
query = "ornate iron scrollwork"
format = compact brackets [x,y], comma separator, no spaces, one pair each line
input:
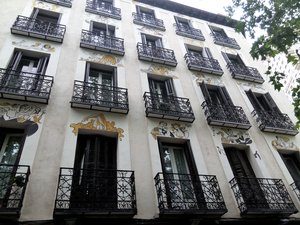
[13,182]
[190,193]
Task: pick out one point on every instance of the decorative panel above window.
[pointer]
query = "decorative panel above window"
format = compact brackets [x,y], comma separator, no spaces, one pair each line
[268,115]
[66,3]
[240,71]
[219,109]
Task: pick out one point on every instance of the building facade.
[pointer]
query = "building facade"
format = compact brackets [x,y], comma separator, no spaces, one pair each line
[139,112]
[292,72]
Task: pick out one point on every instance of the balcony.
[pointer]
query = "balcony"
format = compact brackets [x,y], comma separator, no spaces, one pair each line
[296,188]
[66,3]
[99,97]
[95,193]
[245,73]
[147,20]
[189,32]
[39,29]
[13,183]
[260,196]
[102,43]
[32,87]
[225,41]
[103,9]
[156,54]
[197,62]
[275,122]
[168,107]
[225,115]
[189,195]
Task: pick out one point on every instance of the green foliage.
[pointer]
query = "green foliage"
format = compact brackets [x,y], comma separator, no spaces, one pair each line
[280,22]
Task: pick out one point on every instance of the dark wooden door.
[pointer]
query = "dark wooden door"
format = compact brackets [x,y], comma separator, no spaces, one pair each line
[249,186]
[95,175]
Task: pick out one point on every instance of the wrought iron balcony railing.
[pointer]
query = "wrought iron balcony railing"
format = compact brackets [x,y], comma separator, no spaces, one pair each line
[168,107]
[31,87]
[188,31]
[296,188]
[147,20]
[225,115]
[95,193]
[179,194]
[156,54]
[104,43]
[95,96]
[245,73]
[275,122]
[262,196]
[39,29]
[66,3]
[13,182]
[102,8]
[225,41]
[199,63]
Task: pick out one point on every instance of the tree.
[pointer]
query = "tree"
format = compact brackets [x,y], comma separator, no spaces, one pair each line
[280,22]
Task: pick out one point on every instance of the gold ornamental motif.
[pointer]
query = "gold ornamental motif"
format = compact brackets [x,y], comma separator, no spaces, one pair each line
[97,122]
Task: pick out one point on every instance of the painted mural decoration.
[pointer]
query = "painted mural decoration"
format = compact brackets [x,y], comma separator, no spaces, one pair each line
[29,115]
[102,59]
[284,143]
[150,30]
[47,6]
[199,77]
[36,45]
[231,136]
[97,122]
[174,130]
[248,85]
[159,70]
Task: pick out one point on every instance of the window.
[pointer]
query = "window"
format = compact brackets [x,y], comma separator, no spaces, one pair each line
[215,95]
[46,16]
[161,87]
[292,163]
[235,60]
[100,74]
[262,102]
[145,13]
[219,32]
[178,165]
[102,4]
[152,41]
[102,29]
[249,187]
[184,23]
[11,144]
[26,62]
[198,52]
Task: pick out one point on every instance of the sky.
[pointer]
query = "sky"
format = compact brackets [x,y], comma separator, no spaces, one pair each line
[214,6]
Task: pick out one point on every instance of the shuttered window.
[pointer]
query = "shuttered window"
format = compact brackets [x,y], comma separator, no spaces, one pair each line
[215,94]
